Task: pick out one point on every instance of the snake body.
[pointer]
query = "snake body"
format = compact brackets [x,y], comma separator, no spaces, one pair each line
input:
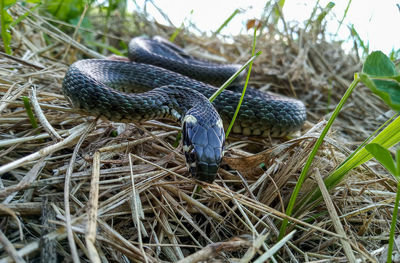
[109,88]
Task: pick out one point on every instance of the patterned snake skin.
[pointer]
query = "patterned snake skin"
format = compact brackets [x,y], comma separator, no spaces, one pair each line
[153,86]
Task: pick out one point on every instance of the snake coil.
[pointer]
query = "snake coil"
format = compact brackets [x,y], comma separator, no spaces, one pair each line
[162,81]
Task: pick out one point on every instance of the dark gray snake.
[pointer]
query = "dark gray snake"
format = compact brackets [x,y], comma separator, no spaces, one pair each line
[153,86]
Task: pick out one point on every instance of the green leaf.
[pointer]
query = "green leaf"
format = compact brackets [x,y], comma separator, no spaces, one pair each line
[114,133]
[8,3]
[87,34]
[387,90]
[382,155]
[65,10]
[380,76]
[379,65]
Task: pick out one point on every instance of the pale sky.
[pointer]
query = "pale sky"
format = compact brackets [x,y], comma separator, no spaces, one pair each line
[377,22]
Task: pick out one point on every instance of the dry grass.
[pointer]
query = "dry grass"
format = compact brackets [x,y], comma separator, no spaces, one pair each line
[129,196]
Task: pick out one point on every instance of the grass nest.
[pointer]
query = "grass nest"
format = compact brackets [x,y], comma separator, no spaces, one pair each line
[76,187]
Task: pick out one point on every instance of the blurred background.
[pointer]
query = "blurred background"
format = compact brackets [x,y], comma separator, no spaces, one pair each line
[371,21]
[363,26]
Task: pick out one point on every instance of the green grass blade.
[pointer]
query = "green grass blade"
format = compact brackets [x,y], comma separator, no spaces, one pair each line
[325,12]
[177,139]
[344,16]
[307,166]
[29,111]
[226,22]
[105,46]
[277,11]
[309,20]
[244,87]
[178,30]
[398,162]
[5,20]
[176,33]
[393,225]
[367,140]
[364,47]
[234,76]
[387,138]
[383,156]
[22,17]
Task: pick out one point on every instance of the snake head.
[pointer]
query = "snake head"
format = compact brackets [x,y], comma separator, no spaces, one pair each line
[203,142]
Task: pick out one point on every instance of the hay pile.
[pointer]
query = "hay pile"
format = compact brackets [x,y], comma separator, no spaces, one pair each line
[147,208]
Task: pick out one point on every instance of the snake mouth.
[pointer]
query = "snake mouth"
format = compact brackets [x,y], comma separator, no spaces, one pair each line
[203,167]
[205,172]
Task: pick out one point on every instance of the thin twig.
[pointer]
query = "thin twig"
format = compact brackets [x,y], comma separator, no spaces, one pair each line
[75,31]
[8,246]
[41,153]
[212,250]
[70,236]
[42,118]
[136,203]
[22,61]
[334,216]
[90,236]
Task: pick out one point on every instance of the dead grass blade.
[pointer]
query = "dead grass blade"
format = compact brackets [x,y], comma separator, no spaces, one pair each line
[127,193]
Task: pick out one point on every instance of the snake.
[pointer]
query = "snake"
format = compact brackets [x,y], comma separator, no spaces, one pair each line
[162,81]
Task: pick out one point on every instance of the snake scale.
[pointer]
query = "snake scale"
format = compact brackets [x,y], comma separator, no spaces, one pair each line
[161,81]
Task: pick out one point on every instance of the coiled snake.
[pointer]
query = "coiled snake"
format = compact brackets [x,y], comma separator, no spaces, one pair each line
[153,86]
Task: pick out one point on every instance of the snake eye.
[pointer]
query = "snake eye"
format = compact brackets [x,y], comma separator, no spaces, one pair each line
[192,156]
